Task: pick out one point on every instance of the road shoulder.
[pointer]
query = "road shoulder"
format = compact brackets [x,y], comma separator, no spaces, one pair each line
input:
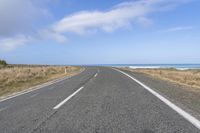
[33,88]
[182,96]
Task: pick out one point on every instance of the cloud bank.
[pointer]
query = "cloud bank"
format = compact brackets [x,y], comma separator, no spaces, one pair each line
[8,44]
[119,16]
[18,16]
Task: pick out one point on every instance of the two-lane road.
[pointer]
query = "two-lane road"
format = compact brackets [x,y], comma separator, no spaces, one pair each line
[98,100]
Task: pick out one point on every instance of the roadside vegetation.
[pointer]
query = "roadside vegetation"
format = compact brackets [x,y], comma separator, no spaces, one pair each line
[14,78]
[3,63]
[189,78]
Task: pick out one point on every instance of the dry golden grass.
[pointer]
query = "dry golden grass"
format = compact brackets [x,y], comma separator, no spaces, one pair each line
[184,77]
[17,78]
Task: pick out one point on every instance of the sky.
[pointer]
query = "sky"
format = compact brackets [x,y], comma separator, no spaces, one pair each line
[79,32]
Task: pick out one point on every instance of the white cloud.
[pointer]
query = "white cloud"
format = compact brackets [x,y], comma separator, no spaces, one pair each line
[19,16]
[121,15]
[47,34]
[16,18]
[179,28]
[8,44]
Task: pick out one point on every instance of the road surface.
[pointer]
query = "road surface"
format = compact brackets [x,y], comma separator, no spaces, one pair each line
[98,100]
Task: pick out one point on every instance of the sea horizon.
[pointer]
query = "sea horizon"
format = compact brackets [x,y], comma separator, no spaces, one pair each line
[176,66]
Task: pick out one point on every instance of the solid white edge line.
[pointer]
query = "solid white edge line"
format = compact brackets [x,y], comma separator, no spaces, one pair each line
[68,98]
[37,87]
[31,90]
[180,111]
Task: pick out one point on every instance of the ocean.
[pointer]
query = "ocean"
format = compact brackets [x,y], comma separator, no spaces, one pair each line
[176,66]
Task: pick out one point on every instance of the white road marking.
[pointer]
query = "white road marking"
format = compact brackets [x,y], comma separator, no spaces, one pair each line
[18,94]
[68,98]
[29,90]
[96,75]
[180,111]
[37,87]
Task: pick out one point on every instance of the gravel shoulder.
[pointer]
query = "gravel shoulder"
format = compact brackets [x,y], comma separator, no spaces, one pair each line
[183,96]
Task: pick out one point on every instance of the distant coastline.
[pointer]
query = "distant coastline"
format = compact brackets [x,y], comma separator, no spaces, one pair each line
[153,66]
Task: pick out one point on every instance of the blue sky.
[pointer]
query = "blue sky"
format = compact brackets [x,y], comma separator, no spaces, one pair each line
[99,31]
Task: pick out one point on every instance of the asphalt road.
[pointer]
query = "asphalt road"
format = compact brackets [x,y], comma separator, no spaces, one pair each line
[98,100]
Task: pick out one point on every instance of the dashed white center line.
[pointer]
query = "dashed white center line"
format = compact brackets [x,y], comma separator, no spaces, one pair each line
[96,75]
[68,98]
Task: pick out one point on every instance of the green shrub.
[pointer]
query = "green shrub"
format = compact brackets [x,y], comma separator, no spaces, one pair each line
[3,62]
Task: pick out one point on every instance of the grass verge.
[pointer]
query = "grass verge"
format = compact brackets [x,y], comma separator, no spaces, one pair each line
[17,78]
[190,78]
[182,95]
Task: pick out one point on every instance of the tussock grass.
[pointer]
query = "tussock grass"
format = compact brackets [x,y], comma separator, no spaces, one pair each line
[16,78]
[184,77]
